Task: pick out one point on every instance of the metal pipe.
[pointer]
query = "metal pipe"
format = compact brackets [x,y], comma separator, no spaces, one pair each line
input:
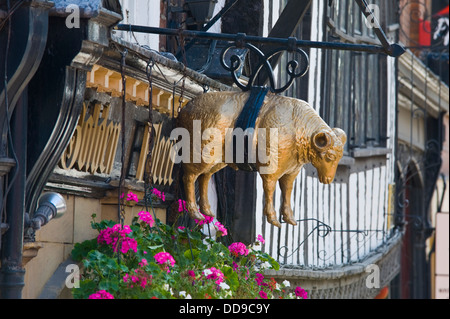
[394,50]
[12,274]
[219,15]
[365,9]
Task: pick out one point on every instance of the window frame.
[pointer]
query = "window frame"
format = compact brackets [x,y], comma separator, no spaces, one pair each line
[364,131]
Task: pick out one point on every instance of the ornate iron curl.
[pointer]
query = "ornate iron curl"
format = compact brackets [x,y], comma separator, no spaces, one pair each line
[322,230]
[236,64]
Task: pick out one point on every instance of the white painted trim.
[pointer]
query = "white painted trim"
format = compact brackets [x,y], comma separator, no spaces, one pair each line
[140,12]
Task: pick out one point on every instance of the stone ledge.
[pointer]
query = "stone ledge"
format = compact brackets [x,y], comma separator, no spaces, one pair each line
[57,282]
[371,152]
[346,282]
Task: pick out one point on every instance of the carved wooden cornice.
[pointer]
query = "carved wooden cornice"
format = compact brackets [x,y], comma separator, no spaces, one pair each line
[137,91]
[167,72]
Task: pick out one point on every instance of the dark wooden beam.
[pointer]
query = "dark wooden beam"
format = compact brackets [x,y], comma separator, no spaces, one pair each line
[285,27]
[290,18]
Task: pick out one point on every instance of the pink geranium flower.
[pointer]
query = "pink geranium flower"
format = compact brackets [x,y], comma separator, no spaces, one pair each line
[146,217]
[116,237]
[238,249]
[301,293]
[207,220]
[221,229]
[131,196]
[140,277]
[260,238]
[214,274]
[181,205]
[143,262]
[159,194]
[259,279]
[127,245]
[101,294]
[164,259]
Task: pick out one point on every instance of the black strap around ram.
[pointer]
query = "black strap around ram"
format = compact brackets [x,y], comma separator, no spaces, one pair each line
[246,121]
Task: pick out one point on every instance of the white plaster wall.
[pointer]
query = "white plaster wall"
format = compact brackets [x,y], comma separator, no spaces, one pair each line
[217,27]
[141,12]
[315,56]
[360,203]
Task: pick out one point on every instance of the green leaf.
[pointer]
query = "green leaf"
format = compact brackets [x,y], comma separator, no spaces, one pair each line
[205,257]
[109,284]
[123,268]
[153,268]
[188,254]
[155,247]
[81,250]
[95,255]
[275,265]
[232,278]
[111,263]
[87,287]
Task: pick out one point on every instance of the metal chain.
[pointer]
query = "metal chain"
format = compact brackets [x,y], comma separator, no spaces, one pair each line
[148,184]
[181,94]
[121,208]
[148,171]
[178,170]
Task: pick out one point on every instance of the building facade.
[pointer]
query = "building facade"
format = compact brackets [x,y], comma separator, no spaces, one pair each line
[95,91]
[422,134]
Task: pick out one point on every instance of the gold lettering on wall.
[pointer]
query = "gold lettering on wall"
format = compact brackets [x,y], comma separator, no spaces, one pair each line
[94,142]
[161,164]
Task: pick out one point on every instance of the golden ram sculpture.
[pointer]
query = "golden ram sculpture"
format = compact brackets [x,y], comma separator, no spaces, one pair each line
[302,137]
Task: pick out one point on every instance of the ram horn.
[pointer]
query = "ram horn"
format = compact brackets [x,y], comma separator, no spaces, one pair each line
[321,141]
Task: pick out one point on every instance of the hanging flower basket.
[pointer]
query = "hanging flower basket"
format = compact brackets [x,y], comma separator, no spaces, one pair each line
[149,259]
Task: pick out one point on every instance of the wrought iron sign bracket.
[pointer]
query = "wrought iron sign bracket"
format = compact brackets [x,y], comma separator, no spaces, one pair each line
[289,44]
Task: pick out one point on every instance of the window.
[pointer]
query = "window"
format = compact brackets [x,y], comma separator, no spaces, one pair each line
[354,86]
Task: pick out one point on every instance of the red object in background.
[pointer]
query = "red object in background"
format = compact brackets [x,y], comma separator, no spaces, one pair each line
[425,30]
[425,33]
[383,293]
[443,12]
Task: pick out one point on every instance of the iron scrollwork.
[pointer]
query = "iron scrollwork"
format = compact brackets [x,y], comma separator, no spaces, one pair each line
[324,230]
[293,69]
